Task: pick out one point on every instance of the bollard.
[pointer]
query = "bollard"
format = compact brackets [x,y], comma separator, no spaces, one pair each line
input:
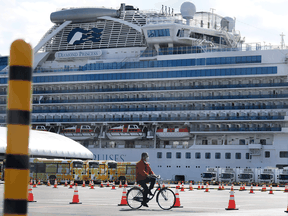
[18,120]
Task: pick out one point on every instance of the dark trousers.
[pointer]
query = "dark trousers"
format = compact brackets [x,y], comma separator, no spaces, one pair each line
[144,186]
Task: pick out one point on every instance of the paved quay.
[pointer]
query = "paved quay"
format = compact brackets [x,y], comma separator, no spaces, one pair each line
[104,201]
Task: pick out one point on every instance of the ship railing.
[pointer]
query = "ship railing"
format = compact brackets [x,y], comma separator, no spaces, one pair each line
[158,99]
[266,107]
[137,119]
[160,88]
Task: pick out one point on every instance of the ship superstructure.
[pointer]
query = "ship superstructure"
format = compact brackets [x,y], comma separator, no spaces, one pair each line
[182,87]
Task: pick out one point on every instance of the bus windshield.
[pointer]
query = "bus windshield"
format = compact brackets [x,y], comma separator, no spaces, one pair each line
[245,176]
[207,175]
[265,176]
[226,175]
[112,165]
[93,165]
[283,177]
[77,164]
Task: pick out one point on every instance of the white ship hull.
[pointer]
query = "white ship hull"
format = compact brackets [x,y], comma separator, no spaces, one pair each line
[173,136]
[125,136]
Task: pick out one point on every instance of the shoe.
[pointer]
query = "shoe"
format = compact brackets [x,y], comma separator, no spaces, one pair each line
[145,204]
[150,193]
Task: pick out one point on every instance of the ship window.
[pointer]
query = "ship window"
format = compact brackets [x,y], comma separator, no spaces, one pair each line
[207,155]
[159,154]
[267,154]
[263,141]
[227,155]
[217,155]
[283,154]
[197,155]
[214,142]
[247,156]
[204,142]
[237,155]
[188,155]
[178,155]
[168,155]
[242,142]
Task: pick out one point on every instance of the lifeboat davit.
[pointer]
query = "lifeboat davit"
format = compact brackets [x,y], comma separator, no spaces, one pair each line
[78,132]
[125,132]
[173,133]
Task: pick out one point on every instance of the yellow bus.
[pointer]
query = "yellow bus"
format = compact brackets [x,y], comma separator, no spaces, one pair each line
[126,171]
[60,169]
[106,171]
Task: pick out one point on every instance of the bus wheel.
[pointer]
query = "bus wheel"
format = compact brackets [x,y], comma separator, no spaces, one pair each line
[52,179]
[122,179]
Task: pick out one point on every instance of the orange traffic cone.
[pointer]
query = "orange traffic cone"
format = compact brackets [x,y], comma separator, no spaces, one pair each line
[125,185]
[190,186]
[219,187]
[263,188]
[55,184]
[182,188]
[232,187]
[271,191]
[223,188]
[31,182]
[30,194]
[39,183]
[287,209]
[244,187]
[71,185]
[83,185]
[101,185]
[113,186]
[231,204]
[120,184]
[202,186]
[207,188]
[108,184]
[34,185]
[66,184]
[123,198]
[177,202]
[286,189]
[199,187]
[92,185]
[163,185]
[241,188]
[251,190]
[48,183]
[75,199]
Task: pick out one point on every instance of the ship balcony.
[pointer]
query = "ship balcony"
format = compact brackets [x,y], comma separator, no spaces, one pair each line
[113,100]
[204,87]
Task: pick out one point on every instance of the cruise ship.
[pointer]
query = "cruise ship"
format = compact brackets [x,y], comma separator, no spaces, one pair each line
[184,87]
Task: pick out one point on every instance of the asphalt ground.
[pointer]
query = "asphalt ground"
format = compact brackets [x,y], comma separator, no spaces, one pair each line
[104,201]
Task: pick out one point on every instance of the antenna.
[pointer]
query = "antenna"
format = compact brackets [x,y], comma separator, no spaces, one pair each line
[282,41]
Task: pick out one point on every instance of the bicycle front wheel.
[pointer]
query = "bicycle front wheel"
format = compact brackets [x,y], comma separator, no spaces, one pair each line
[135,198]
[166,198]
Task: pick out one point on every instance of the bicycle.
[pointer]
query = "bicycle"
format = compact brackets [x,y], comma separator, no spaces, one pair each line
[165,196]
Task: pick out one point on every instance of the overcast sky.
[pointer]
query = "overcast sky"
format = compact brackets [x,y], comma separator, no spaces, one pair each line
[257,20]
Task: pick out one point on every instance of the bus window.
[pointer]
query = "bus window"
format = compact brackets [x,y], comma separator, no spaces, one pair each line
[41,168]
[77,164]
[112,165]
[63,168]
[51,168]
[93,165]
[32,168]
[130,170]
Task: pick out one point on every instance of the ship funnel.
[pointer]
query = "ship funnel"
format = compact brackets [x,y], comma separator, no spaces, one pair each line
[188,11]
[229,23]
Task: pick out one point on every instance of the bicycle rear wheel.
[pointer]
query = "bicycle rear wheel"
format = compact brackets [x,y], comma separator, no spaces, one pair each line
[166,198]
[135,198]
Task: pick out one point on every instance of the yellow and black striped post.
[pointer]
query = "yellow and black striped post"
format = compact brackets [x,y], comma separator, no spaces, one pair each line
[18,120]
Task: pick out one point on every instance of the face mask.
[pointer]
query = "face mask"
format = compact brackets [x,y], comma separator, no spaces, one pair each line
[147,158]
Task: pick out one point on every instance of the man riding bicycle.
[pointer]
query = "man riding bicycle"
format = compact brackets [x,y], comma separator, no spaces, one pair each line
[144,175]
